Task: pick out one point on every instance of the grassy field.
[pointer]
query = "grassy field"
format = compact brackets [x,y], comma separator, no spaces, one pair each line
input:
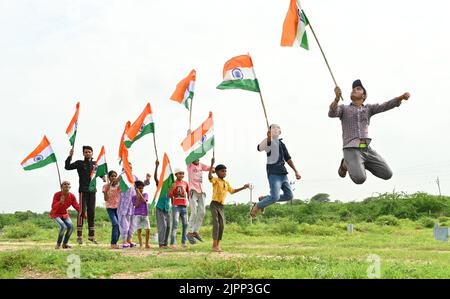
[280,248]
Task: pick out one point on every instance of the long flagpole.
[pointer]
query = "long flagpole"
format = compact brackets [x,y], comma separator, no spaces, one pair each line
[59,175]
[190,113]
[323,54]
[260,95]
[154,143]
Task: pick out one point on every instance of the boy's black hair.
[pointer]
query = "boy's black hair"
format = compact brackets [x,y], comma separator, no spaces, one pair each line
[220,167]
[111,172]
[87,147]
[139,184]
[357,83]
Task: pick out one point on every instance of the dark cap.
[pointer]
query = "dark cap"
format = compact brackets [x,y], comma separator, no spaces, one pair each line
[357,83]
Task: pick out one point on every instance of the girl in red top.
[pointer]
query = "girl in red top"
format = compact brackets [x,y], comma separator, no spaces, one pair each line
[179,193]
[62,200]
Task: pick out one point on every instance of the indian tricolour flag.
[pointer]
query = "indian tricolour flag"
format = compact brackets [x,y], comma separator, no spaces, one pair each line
[100,169]
[126,178]
[122,144]
[238,73]
[42,155]
[166,180]
[184,92]
[142,126]
[199,142]
[71,130]
[294,27]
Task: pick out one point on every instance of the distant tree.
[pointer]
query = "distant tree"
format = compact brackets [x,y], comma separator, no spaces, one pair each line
[320,197]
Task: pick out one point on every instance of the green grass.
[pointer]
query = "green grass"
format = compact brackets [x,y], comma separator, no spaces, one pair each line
[282,248]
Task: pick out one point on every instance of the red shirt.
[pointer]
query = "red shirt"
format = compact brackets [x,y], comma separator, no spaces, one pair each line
[60,209]
[179,192]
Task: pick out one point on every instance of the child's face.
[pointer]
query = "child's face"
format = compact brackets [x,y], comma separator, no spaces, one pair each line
[112,177]
[196,162]
[222,173]
[87,153]
[65,186]
[141,189]
[275,130]
[180,175]
[357,94]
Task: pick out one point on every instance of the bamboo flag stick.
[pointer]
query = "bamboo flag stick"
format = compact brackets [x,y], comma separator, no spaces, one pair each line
[260,94]
[59,175]
[154,143]
[323,54]
[190,113]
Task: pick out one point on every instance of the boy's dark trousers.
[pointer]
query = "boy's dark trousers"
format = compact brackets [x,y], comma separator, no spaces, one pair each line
[87,203]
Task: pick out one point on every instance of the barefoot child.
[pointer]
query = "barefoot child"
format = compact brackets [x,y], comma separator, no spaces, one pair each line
[179,193]
[355,119]
[141,221]
[220,189]
[62,200]
[111,193]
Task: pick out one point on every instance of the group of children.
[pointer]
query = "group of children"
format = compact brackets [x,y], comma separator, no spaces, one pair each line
[128,211]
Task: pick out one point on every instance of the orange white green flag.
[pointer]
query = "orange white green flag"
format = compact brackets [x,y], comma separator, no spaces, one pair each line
[142,125]
[126,178]
[200,141]
[238,73]
[41,156]
[100,169]
[122,144]
[166,179]
[294,27]
[184,92]
[71,130]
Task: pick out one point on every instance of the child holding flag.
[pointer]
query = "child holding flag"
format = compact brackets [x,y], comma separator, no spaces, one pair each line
[87,197]
[179,193]
[355,119]
[220,189]
[62,200]
[196,199]
[162,214]
[125,212]
[141,220]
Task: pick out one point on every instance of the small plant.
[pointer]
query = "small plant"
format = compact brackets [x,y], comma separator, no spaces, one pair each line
[427,222]
[387,220]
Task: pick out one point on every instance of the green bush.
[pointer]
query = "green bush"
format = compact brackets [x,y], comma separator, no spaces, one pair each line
[20,231]
[387,220]
[427,222]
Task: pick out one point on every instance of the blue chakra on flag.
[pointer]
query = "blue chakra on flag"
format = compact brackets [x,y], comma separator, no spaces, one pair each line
[203,138]
[38,158]
[141,128]
[237,74]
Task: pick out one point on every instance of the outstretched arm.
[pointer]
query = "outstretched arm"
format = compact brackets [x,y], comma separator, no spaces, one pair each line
[395,102]
[264,145]
[155,176]
[67,164]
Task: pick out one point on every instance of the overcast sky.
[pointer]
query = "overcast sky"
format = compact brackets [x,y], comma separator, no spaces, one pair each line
[115,56]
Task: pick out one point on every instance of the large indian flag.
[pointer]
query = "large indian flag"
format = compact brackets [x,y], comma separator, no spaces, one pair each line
[142,126]
[166,180]
[294,27]
[184,92]
[71,130]
[100,169]
[199,142]
[41,156]
[126,178]
[238,73]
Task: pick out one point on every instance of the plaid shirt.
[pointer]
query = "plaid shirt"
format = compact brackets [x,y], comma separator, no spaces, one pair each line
[355,120]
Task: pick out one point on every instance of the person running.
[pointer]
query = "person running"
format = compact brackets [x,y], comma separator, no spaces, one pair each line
[355,119]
